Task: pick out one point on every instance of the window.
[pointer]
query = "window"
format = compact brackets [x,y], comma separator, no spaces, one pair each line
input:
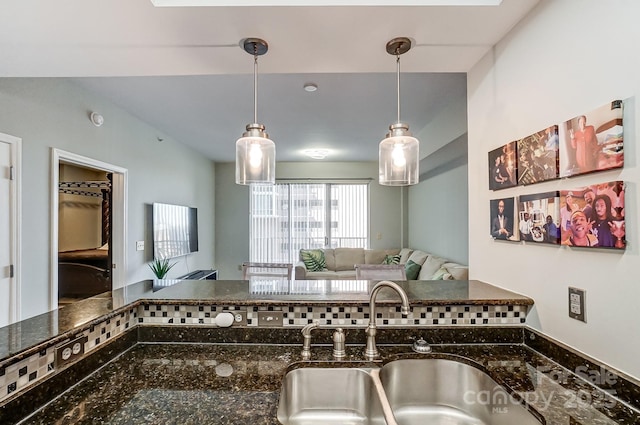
[288,217]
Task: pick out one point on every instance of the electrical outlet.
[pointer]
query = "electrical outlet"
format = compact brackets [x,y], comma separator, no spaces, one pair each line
[577,303]
[139,245]
[69,351]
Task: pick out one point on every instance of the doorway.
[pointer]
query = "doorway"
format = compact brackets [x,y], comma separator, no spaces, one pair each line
[84,233]
[88,227]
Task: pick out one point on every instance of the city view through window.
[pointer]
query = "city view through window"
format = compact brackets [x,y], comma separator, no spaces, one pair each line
[287,217]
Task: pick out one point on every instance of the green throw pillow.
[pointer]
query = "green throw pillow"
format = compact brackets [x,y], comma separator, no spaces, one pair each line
[391,259]
[313,259]
[412,270]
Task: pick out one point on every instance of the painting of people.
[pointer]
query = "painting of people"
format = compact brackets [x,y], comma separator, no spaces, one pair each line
[539,217]
[593,141]
[502,214]
[593,216]
[502,167]
[538,156]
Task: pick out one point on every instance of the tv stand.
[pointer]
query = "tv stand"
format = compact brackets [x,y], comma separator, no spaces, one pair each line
[201,275]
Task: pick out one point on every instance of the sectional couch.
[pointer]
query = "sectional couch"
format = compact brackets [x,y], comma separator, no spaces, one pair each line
[340,264]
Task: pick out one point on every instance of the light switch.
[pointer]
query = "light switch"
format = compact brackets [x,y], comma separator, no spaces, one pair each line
[139,245]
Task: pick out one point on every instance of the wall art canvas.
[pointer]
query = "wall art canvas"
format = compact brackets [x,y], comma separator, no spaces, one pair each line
[593,216]
[538,156]
[502,219]
[592,142]
[539,217]
[502,167]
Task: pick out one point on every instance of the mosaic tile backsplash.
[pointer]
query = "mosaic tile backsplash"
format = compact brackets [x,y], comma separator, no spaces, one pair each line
[22,371]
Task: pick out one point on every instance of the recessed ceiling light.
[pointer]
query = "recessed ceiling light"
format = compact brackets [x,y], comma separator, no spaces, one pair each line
[310,87]
[316,153]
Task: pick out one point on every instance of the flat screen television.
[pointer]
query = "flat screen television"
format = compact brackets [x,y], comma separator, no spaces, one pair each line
[175,230]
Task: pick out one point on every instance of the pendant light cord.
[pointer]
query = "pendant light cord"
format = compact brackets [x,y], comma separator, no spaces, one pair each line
[398,83]
[255,84]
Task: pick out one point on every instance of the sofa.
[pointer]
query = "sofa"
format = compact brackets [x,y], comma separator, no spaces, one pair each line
[339,263]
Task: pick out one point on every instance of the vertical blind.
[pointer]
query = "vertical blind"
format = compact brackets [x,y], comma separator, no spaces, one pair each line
[287,217]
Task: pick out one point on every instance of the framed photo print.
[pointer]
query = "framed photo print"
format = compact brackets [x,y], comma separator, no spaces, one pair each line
[502,167]
[593,216]
[502,213]
[593,141]
[538,156]
[539,217]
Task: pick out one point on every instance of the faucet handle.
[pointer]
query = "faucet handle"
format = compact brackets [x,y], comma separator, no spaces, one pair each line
[421,346]
[339,351]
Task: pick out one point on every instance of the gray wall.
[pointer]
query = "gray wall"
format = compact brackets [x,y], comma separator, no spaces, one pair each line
[438,213]
[232,207]
[53,113]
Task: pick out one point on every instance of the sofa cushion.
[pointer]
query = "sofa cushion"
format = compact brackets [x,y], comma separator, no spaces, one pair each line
[313,259]
[418,257]
[330,259]
[347,258]
[374,256]
[442,274]
[391,259]
[412,270]
[404,255]
[458,271]
[430,266]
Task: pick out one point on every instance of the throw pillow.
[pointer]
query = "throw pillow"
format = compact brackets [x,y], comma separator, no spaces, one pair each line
[391,259]
[412,270]
[313,259]
[442,274]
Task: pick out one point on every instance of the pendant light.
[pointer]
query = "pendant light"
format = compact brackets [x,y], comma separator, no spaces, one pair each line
[399,160]
[255,152]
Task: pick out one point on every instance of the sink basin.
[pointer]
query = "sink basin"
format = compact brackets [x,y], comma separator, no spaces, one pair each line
[438,391]
[325,396]
[433,391]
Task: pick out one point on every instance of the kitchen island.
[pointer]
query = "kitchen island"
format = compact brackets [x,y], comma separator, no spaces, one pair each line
[234,373]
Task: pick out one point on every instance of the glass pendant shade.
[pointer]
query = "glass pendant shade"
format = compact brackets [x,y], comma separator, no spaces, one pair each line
[255,152]
[399,161]
[398,156]
[255,157]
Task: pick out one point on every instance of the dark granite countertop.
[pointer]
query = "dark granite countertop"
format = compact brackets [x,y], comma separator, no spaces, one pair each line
[28,333]
[240,384]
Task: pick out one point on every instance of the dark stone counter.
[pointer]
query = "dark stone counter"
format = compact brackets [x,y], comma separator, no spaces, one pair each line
[240,383]
[28,333]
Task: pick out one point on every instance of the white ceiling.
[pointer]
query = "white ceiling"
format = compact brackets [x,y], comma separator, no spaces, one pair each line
[181,68]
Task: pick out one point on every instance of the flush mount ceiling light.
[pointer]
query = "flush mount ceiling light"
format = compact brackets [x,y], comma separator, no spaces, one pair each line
[255,152]
[316,153]
[398,155]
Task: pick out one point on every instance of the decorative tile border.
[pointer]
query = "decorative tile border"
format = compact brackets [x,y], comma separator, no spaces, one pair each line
[339,316]
[18,374]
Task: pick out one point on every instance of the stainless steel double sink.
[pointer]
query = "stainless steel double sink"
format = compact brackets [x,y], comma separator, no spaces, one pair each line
[434,391]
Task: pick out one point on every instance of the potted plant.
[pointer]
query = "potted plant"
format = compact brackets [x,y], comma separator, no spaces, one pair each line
[160,267]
